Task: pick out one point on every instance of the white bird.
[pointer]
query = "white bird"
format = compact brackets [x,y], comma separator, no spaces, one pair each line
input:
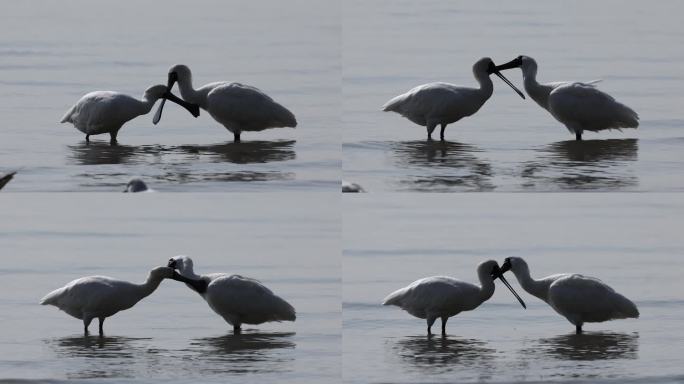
[578,298]
[442,297]
[348,187]
[6,179]
[107,111]
[441,104]
[239,300]
[100,297]
[136,185]
[237,106]
[579,106]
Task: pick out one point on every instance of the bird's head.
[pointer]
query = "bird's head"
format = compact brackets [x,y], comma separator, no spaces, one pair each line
[155,92]
[491,268]
[485,67]
[136,185]
[525,63]
[182,263]
[160,273]
[514,264]
[178,72]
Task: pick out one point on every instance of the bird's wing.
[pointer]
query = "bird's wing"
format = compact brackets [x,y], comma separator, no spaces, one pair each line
[589,296]
[248,107]
[433,99]
[432,294]
[589,107]
[247,298]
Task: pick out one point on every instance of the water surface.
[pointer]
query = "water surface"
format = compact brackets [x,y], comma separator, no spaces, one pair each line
[630,241]
[512,144]
[172,335]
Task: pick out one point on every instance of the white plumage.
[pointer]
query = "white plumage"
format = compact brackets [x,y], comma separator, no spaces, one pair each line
[441,297]
[239,300]
[100,297]
[578,298]
[236,106]
[441,104]
[107,111]
[579,106]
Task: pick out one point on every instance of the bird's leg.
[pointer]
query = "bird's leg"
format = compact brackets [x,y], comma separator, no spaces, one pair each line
[86,323]
[236,137]
[444,321]
[578,135]
[430,128]
[430,321]
[441,132]
[112,136]
[87,138]
[102,319]
[236,329]
[578,329]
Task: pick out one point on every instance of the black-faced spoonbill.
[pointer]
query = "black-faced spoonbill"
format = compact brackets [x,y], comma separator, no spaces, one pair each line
[6,179]
[580,299]
[236,106]
[442,297]
[441,104]
[100,297]
[106,111]
[239,300]
[579,106]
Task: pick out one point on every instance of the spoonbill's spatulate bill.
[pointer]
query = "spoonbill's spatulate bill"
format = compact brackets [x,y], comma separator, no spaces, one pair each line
[441,104]
[239,300]
[6,179]
[106,111]
[100,297]
[442,297]
[579,106]
[580,299]
[236,106]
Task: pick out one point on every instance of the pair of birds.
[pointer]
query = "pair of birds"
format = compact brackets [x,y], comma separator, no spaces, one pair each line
[237,299]
[579,106]
[236,106]
[578,298]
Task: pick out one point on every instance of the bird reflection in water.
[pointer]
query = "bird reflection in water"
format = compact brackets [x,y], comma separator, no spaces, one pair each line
[106,357]
[590,346]
[442,166]
[590,164]
[245,352]
[442,354]
[252,152]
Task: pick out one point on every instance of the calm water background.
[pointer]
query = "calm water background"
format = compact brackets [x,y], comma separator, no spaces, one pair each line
[172,335]
[512,144]
[632,242]
[53,52]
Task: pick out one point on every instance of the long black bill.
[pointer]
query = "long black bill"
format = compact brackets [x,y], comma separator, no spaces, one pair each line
[198,285]
[169,85]
[503,279]
[502,77]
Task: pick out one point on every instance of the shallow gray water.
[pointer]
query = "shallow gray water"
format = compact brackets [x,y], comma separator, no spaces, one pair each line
[53,52]
[512,144]
[172,335]
[631,241]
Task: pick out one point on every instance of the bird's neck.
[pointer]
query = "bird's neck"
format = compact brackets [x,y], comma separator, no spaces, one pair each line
[189,94]
[146,105]
[537,288]
[538,92]
[486,85]
[150,285]
[486,286]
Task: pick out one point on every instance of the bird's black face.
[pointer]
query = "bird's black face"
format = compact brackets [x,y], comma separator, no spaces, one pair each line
[497,273]
[172,264]
[506,266]
[515,63]
[173,77]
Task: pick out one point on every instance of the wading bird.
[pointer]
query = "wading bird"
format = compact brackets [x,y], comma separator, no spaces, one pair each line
[442,297]
[441,104]
[106,111]
[100,297]
[236,106]
[239,300]
[579,106]
[580,299]
[136,185]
